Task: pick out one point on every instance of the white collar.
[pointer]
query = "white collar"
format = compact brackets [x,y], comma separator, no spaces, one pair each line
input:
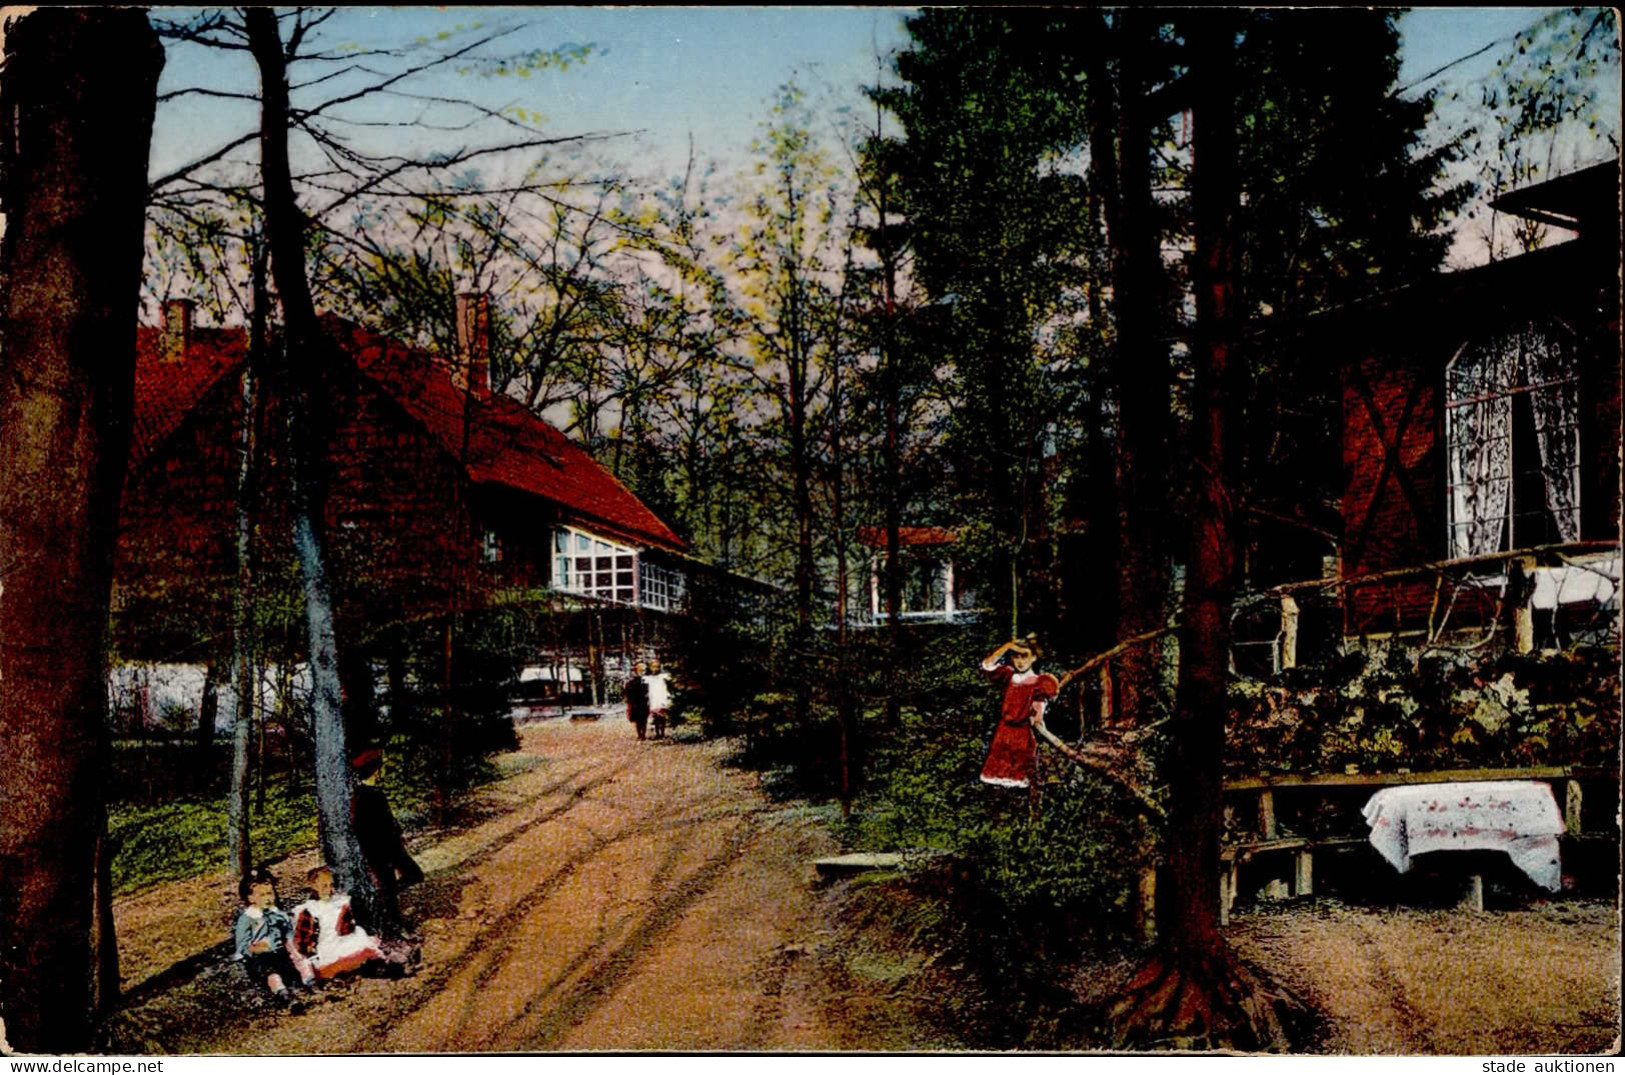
[253,911]
[1024,677]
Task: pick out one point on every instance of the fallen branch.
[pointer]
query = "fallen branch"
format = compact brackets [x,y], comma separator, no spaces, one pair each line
[1126,644]
[1109,763]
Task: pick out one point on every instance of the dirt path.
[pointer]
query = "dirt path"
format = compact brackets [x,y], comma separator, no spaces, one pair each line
[624,895]
[646,896]
[1404,981]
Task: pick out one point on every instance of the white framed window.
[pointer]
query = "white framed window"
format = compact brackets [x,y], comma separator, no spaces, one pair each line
[589,565]
[1512,437]
[662,587]
[491,547]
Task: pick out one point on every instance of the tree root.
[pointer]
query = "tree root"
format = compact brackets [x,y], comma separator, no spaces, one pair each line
[1207,1001]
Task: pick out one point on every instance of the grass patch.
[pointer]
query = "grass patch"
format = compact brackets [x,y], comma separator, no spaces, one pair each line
[187,838]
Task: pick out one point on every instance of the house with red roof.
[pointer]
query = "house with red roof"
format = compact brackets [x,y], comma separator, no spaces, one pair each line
[935,589]
[440,495]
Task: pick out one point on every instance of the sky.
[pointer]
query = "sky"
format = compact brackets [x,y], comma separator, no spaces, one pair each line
[665,73]
[659,76]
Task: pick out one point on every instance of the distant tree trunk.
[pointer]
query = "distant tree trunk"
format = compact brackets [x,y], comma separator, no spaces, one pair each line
[891,385]
[106,988]
[1193,993]
[78,100]
[239,849]
[1120,142]
[801,465]
[208,711]
[299,373]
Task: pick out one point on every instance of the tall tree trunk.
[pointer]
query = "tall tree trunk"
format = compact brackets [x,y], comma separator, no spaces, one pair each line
[299,374]
[208,712]
[845,710]
[78,102]
[891,385]
[105,992]
[1194,993]
[1120,142]
[239,850]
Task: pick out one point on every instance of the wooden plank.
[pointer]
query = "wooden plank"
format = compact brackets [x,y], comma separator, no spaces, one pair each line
[1571,808]
[1443,776]
[1251,850]
[858,863]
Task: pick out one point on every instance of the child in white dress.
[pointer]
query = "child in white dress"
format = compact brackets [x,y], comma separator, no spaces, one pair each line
[325,931]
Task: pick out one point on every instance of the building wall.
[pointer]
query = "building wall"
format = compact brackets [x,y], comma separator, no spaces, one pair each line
[402,538]
[1394,510]
[1393,506]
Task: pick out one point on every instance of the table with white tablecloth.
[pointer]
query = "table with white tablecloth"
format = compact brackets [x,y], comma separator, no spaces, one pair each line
[1515,816]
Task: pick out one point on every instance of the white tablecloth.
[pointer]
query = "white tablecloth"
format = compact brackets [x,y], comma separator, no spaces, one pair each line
[1518,817]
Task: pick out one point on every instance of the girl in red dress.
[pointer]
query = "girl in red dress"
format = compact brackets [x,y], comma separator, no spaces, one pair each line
[1012,760]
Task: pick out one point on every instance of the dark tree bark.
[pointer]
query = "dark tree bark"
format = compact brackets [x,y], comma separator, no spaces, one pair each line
[891,386]
[1194,993]
[1120,121]
[298,374]
[78,102]
[239,849]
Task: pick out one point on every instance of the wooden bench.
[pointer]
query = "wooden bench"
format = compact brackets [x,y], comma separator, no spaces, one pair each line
[1267,840]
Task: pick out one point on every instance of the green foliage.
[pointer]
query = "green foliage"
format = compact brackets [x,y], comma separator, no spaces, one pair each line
[1342,196]
[1390,710]
[525,64]
[439,743]
[1545,111]
[187,838]
[1032,887]
[996,216]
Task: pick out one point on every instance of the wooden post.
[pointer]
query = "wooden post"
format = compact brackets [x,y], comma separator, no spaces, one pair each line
[1145,904]
[1571,807]
[1227,893]
[1303,880]
[1521,583]
[1105,692]
[1473,900]
[1289,631]
[1266,814]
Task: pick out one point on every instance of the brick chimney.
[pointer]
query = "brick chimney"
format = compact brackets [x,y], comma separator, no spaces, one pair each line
[177,329]
[474,342]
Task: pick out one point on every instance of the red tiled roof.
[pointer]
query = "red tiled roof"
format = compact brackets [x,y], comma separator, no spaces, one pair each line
[166,391]
[875,536]
[506,443]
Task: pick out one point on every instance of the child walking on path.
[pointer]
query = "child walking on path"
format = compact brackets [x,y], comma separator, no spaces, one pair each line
[637,700]
[659,697]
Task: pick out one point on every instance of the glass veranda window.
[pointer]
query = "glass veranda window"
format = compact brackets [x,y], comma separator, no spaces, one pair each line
[1512,436]
[588,565]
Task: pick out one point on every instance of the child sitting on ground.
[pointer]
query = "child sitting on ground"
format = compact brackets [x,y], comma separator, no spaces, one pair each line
[261,939]
[325,931]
